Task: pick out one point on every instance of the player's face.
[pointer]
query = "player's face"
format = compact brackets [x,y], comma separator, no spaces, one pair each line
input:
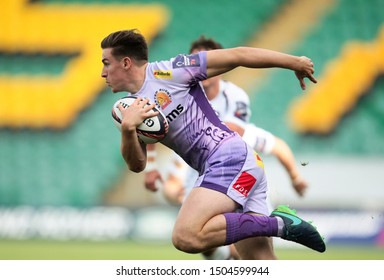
[113,71]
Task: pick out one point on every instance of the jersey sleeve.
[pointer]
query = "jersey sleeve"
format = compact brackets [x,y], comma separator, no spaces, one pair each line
[190,68]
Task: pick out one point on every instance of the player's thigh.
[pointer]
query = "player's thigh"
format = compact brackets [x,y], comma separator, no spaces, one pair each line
[201,205]
[256,248]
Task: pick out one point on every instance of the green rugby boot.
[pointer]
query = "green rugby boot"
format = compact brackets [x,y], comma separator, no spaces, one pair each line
[297,230]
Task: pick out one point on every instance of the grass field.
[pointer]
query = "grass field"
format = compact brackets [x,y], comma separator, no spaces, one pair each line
[129,250]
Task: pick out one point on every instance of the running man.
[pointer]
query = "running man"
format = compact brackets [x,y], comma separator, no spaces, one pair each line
[229,206]
[231,104]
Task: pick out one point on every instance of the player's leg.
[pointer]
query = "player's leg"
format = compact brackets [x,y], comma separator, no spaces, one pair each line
[180,181]
[256,248]
[200,225]
[207,218]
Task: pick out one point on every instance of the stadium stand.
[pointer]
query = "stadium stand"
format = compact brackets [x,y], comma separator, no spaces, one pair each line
[77,162]
[349,23]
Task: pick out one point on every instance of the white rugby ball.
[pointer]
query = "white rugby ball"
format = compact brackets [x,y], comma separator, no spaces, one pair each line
[152,130]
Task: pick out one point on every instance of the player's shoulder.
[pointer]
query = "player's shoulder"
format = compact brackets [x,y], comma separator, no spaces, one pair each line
[182,61]
[161,73]
[182,69]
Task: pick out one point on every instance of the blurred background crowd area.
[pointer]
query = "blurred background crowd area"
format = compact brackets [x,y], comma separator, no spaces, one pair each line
[60,148]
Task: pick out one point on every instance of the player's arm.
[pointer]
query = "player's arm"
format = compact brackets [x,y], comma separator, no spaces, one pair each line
[224,60]
[285,155]
[133,150]
[152,173]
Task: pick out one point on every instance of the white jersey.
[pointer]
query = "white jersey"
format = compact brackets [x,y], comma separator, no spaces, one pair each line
[232,104]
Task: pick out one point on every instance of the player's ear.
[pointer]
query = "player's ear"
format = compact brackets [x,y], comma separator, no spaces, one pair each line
[126,62]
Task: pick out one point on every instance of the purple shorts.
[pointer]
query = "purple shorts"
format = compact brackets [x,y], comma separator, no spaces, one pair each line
[236,170]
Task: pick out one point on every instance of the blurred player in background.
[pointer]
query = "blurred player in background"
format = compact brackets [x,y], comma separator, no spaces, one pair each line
[229,204]
[232,106]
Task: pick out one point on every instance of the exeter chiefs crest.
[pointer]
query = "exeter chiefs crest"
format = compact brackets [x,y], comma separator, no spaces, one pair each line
[162,98]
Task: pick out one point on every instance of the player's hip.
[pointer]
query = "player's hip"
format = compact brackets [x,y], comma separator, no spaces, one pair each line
[235,170]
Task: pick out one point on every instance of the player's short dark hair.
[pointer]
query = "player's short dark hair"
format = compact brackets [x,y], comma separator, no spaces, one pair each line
[129,43]
[205,43]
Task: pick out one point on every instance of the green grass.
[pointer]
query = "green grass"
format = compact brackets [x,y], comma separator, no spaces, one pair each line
[333,253]
[84,250]
[130,250]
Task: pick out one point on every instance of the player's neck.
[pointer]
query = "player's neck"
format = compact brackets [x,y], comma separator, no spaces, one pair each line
[138,75]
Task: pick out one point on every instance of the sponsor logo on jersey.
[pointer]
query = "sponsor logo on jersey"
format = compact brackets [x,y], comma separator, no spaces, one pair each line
[162,98]
[160,74]
[175,113]
[241,111]
[244,183]
[191,60]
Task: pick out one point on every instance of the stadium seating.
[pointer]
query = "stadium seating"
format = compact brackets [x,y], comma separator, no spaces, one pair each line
[76,162]
[350,24]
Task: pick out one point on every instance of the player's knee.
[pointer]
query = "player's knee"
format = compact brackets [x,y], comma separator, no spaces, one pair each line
[187,242]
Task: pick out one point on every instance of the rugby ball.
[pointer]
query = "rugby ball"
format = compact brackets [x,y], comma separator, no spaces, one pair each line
[152,130]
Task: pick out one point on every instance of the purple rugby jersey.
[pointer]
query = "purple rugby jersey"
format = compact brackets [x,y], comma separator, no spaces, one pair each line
[194,128]
[196,132]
